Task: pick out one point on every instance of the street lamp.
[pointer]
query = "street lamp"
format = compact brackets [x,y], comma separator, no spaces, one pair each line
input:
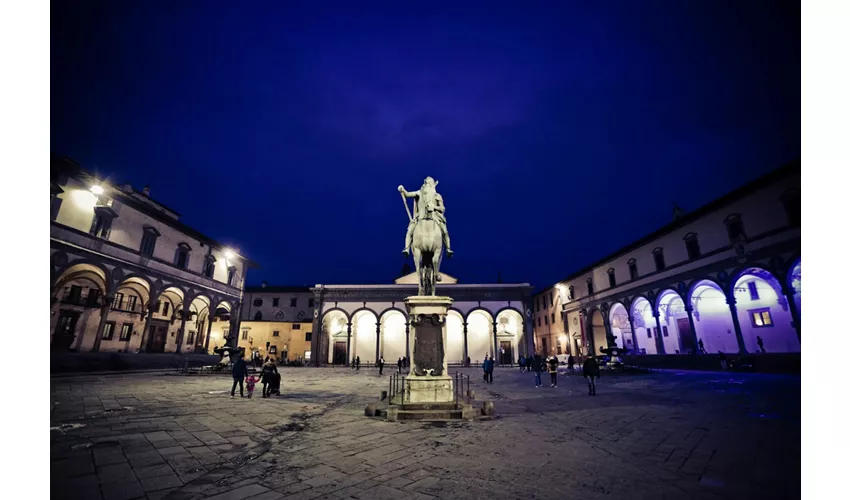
[97,190]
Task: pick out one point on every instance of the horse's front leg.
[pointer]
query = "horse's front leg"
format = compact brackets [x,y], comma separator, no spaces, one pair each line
[417,260]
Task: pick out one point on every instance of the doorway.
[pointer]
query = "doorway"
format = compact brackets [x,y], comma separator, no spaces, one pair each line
[507,355]
[339,353]
[63,336]
[158,336]
[686,337]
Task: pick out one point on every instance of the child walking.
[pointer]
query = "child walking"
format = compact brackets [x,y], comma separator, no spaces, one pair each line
[251,382]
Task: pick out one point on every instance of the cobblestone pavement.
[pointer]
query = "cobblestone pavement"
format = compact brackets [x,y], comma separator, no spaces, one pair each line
[664,435]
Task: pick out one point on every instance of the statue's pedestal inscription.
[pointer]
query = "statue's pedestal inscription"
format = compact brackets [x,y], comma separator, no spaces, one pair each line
[429,380]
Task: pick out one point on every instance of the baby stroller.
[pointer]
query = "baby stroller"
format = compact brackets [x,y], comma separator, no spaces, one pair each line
[274,383]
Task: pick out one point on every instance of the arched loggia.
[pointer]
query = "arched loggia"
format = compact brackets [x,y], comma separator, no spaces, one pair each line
[644,324]
[621,327]
[763,312]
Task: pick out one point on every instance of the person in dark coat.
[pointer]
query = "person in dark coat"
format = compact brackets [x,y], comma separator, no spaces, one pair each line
[537,368]
[268,375]
[591,373]
[400,362]
[380,367]
[486,367]
[240,371]
[553,371]
[571,361]
[522,363]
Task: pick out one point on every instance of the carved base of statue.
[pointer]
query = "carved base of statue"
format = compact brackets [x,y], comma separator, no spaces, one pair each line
[429,380]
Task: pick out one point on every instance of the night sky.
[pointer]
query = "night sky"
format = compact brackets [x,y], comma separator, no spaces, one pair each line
[558,133]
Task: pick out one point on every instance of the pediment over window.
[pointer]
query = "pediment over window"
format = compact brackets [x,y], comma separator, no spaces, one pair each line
[152,230]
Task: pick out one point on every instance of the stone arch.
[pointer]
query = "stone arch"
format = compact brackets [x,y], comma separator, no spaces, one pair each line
[509,333]
[393,335]
[675,327]
[454,336]
[197,321]
[792,281]
[701,283]
[599,339]
[763,311]
[364,324]
[87,271]
[479,333]
[661,293]
[390,310]
[132,295]
[334,328]
[80,289]
[174,296]
[641,311]
[621,328]
[712,317]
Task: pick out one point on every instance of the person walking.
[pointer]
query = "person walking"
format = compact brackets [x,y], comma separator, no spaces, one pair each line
[701,347]
[357,363]
[399,364]
[553,371]
[489,370]
[521,363]
[267,375]
[537,367]
[381,367]
[591,373]
[760,343]
[240,372]
[571,361]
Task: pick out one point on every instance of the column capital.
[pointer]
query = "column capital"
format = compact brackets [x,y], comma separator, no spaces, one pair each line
[689,307]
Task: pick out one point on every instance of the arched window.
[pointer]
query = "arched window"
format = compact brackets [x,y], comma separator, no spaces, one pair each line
[612,278]
[590,286]
[181,256]
[258,316]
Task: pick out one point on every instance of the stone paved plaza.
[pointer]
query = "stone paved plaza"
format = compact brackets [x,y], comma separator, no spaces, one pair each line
[661,435]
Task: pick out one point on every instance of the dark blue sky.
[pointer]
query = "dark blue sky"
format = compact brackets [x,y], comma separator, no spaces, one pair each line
[558,132]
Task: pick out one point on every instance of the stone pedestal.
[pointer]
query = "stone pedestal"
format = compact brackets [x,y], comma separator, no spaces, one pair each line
[429,380]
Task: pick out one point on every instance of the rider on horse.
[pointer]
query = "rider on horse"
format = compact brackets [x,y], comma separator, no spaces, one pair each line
[428,204]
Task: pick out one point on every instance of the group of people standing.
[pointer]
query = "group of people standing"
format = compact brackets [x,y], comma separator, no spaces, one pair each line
[269,377]
[536,364]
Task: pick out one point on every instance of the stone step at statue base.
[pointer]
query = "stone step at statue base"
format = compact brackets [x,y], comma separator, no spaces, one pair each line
[428,412]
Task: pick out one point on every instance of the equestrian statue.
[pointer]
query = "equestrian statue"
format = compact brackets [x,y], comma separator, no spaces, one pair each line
[427,234]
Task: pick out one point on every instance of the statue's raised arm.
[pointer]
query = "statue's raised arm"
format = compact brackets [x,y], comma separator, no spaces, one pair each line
[406,193]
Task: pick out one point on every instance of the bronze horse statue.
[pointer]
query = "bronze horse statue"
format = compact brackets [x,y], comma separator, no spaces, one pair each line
[426,234]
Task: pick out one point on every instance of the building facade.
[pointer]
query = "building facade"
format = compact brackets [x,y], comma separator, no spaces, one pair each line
[128,276]
[726,275]
[370,321]
[277,321]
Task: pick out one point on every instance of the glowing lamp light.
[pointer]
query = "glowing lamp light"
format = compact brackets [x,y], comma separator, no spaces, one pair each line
[97,190]
[228,254]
